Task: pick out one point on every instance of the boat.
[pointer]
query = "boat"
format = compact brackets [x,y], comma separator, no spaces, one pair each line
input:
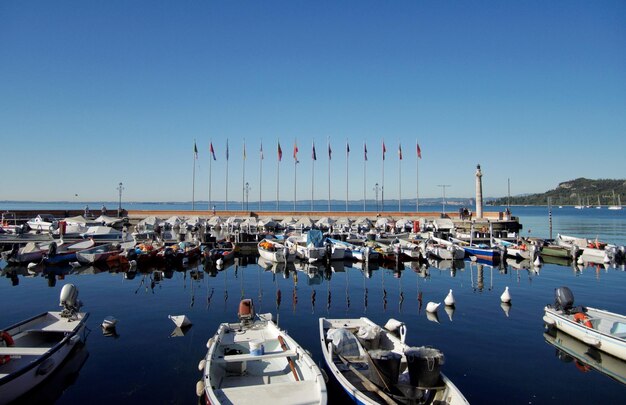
[480,251]
[43,223]
[550,249]
[619,203]
[518,251]
[375,366]
[66,253]
[101,253]
[274,251]
[309,246]
[254,361]
[224,250]
[178,254]
[31,252]
[443,249]
[585,357]
[354,252]
[36,347]
[604,330]
[592,250]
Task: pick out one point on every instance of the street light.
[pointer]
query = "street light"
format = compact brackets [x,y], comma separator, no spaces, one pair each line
[443,186]
[120,187]
[376,188]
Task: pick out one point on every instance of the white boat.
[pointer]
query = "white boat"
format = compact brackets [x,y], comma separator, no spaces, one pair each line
[98,253]
[37,346]
[253,361]
[374,366]
[359,253]
[619,202]
[601,329]
[31,252]
[274,251]
[304,250]
[43,223]
[105,234]
[592,250]
[443,249]
[518,251]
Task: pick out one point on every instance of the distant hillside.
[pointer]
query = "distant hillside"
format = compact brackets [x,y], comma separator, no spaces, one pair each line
[574,192]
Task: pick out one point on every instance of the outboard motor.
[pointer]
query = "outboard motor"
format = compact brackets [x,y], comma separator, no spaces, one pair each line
[69,301]
[246,311]
[563,299]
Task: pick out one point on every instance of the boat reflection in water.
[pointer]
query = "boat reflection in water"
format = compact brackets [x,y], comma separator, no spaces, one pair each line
[49,391]
[584,357]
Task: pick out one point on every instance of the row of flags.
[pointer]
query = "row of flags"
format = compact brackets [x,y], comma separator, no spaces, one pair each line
[296,150]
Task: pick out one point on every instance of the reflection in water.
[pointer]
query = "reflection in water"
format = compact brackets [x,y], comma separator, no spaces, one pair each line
[585,358]
[432,316]
[450,311]
[506,307]
[51,389]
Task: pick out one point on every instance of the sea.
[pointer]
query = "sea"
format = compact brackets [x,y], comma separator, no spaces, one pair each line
[492,352]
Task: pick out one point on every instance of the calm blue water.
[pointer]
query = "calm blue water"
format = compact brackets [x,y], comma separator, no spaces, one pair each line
[490,356]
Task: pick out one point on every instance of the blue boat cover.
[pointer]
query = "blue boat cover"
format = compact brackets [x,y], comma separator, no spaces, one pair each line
[315,238]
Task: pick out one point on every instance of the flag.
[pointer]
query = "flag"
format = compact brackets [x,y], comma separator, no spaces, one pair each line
[212,151]
[314,155]
[261,150]
[244,150]
[295,152]
[400,151]
[226,149]
[195,150]
[384,150]
[330,151]
[419,150]
[365,150]
[280,152]
[347,148]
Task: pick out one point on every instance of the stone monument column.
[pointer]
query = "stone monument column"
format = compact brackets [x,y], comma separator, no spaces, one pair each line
[479,193]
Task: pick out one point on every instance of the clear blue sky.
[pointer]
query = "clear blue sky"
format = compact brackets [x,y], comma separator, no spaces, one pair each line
[97,92]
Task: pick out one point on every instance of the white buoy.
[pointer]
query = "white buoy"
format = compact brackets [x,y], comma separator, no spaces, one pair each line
[449,301]
[537,261]
[580,260]
[180,320]
[506,296]
[109,322]
[31,265]
[432,306]
[219,262]
[606,259]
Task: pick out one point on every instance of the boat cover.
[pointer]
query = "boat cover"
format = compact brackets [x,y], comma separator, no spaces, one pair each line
[315,237]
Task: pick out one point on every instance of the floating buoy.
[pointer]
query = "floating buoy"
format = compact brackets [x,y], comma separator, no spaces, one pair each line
[580,260]
[449,301]
[537,261]
[31,265]
[506,296]
[109,323]
[432,306]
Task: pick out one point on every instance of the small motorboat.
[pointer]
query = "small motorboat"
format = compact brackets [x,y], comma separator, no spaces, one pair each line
[374,366]
[37,346]
[274,251]
[604,330]
[254,361]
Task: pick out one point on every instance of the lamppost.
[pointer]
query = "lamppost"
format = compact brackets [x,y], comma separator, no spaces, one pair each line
[376,188]
[120,187]
[247,189]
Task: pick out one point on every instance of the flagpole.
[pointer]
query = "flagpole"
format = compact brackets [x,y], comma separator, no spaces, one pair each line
[260,175]
[278,174]
[364,174]
[313,174]
[329,157]
[347,173]
[417,183]
[295,177]
[226,199]
[193,182]
[210,169]
[243,181]
[400,178]
[382,190]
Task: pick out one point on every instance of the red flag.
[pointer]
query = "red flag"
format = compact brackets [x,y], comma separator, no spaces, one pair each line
[280,152]
[295,152]
[365,150]
[212,151]
[384,150]
[419,151]
[400,151]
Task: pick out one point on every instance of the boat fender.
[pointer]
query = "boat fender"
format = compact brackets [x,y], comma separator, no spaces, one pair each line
[8,340]
[584,319]
[46,367]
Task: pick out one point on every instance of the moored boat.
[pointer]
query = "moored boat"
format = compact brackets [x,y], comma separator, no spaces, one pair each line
[254,361]
[37,346]
[375,366]
[274,251]
[601,329]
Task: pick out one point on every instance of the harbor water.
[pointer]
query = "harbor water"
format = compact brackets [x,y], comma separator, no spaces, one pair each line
[493,353]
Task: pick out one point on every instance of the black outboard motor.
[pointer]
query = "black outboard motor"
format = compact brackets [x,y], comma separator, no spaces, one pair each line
[563,299]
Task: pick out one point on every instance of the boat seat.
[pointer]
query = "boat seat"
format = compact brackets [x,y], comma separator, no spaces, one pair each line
[295,392]
[23,351]
[251,357]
